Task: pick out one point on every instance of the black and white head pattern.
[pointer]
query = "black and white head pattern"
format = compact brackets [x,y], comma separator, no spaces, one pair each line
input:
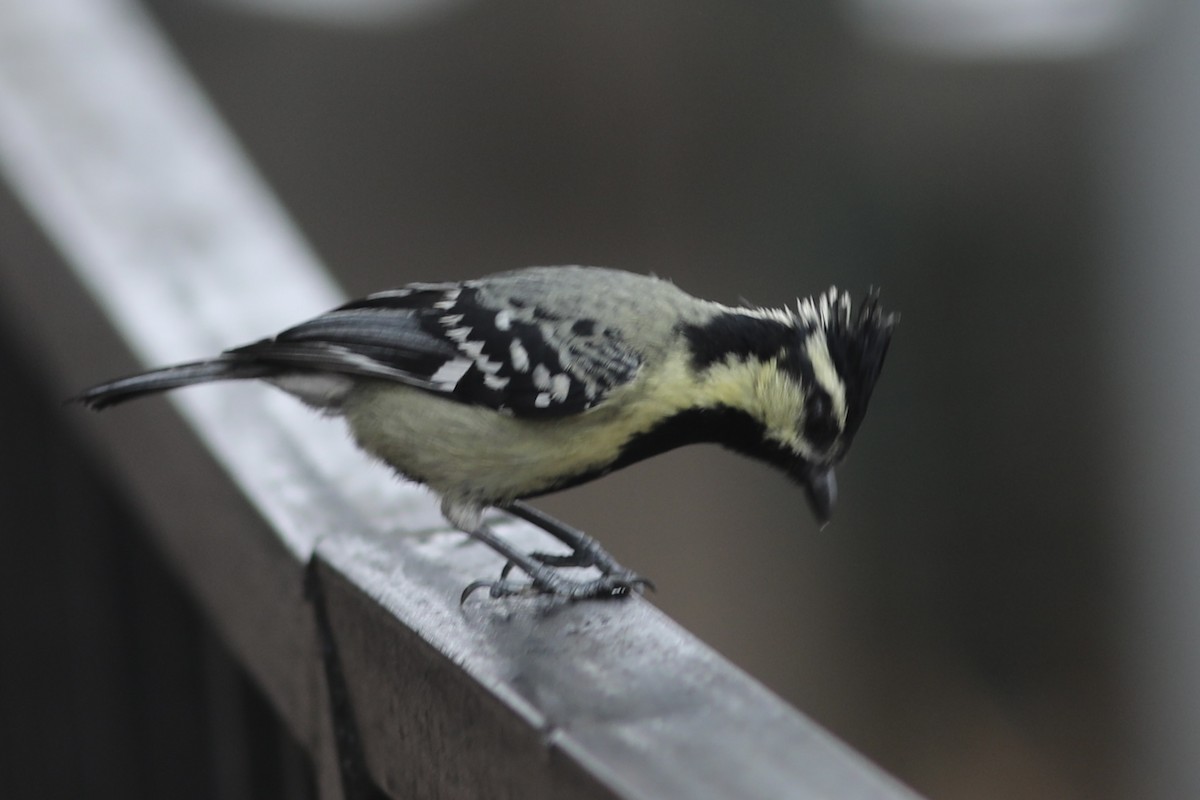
[857,344]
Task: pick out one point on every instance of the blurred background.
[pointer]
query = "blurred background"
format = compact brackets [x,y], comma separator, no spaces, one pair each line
[1005,604]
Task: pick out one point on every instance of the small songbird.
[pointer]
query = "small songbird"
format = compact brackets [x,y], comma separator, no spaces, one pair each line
[495,390]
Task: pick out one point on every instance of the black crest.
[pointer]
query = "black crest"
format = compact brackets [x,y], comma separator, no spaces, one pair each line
[858,343]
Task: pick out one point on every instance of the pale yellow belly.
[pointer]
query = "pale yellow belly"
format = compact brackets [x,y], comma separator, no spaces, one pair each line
[472,453]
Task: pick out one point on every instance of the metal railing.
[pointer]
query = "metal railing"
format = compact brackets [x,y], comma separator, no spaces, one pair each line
[135,233]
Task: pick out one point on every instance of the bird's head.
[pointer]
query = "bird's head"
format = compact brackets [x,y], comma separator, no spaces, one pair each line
[791,387]
[787,386]
[830,368]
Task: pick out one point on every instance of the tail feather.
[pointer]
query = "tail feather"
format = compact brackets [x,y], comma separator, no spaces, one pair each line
[160,380]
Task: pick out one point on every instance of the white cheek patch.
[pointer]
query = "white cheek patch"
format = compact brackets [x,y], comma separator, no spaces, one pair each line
[825,374]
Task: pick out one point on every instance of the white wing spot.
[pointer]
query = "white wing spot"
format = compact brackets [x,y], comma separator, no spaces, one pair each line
[494,382]
[541,377]
[398,293]
[450,320]
[448,299]
[560,385]
[520,358]
[450,373]
[488,366]
[473,349]
[458,334]
[503,320]
[542,400]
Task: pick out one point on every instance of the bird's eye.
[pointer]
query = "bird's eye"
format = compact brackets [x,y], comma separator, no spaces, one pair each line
[820,427]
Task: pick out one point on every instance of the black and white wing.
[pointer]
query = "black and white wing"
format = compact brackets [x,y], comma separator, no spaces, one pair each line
[456,340]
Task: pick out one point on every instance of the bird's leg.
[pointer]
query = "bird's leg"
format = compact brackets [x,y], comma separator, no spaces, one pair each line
[585,551]
[544,579]
[615,580]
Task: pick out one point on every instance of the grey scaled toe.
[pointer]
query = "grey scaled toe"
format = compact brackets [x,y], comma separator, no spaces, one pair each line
[614,582]
[548,582]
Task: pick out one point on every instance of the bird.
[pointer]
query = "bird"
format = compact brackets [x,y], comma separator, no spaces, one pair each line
[495,390]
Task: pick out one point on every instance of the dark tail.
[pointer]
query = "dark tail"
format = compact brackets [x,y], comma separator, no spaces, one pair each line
[222,368]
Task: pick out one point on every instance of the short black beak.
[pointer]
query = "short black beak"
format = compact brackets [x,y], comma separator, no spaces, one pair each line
[821,489]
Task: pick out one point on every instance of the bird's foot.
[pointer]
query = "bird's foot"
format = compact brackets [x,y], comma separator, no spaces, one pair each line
[545,580]
[543,569]
[588,554]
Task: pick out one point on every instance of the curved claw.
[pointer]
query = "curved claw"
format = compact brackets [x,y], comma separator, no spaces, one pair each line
[471,589]
[502,588]
[632,583]
[637,582]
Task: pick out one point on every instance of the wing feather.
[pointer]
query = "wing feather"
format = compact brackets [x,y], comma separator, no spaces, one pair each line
[444,338]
